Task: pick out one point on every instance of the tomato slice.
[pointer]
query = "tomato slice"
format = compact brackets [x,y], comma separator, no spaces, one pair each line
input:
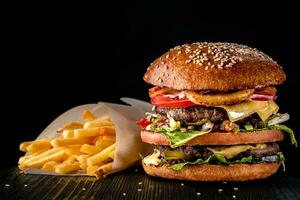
[163,101]
[143,123]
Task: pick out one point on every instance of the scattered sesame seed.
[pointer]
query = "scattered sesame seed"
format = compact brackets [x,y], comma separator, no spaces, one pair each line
[218,54]
[136,170]
[182,184]
[25,185]
[166,67]
[162,62]
[124,194]
[198,193]
[220,190]
[7,185]
[224,182]
[167,56]
[206,68]
[83,188]
[233,196]
[235,189]
[140,183]
[139,190]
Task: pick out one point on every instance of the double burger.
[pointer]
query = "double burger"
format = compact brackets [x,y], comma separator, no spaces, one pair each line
[214,115]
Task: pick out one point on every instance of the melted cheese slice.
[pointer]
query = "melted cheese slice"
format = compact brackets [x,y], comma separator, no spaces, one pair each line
[153,158]
[264,109]
[230,152]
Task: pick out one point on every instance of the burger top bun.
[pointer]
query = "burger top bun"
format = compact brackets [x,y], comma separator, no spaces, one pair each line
[214,66]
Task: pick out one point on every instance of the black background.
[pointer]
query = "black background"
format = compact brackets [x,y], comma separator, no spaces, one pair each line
[45,72]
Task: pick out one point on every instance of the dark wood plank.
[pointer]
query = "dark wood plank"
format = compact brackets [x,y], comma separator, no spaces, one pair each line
[135,184]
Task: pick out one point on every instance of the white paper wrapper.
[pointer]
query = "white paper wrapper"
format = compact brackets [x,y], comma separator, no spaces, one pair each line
[128,140]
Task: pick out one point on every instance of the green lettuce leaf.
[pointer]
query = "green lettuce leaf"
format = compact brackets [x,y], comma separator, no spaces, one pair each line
[213,158]
[285,129]
[141,155]
[281,157]
[177,138]
[243,160]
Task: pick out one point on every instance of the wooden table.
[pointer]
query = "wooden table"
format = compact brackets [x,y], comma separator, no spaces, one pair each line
[135,184]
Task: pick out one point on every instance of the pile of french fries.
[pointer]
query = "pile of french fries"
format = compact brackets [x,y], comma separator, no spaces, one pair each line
[80,147]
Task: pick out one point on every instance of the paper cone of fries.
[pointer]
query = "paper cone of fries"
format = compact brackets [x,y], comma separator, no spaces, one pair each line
[107,140]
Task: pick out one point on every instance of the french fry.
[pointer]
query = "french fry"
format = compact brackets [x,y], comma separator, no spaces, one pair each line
[24,145]
[38,145]
[107,130]
[101,156]
[95,123]
[103,118]
[110,138]
[38,163]
[72,149]
[49,166]
[82,161]
[66,168]
[91,170]
[104,169]
[105,141]
[44,154]
[70,159]
[68,134]
[59,142]
[71,126]
[112,154]
[90,149]
[88,116]
[88,132]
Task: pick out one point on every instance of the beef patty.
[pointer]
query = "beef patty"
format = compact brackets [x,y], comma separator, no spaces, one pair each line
[194,113]
[195,152]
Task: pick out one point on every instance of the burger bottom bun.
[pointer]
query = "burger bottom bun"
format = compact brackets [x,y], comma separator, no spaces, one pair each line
[206,172]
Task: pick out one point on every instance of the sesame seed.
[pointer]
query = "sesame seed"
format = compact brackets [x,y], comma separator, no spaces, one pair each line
[124,194]
[220,54]
[235,189]
[139,190]
[220,190]
[136,170]
[224,182]
[140,183]
[7,185]
[83,189]
[198,193]
[162,62]
[182,184]
[233,196]
[167,56]
[206,68]
[166,67]
[25,185]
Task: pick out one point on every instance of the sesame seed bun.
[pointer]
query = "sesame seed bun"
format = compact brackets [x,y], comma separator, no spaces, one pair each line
[206,172]
[214,66]
[222,138]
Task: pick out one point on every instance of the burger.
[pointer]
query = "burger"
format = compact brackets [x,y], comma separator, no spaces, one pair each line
[214,115]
